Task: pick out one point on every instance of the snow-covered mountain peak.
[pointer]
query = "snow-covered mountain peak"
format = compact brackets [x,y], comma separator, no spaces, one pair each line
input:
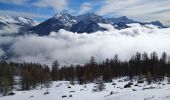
[6,19]
[64,18]
[62,15]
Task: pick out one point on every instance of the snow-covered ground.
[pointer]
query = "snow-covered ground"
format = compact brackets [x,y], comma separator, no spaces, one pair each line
[159,91]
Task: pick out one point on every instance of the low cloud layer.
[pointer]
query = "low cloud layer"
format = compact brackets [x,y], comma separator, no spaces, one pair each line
[73,48]
[1,52]
[11,29]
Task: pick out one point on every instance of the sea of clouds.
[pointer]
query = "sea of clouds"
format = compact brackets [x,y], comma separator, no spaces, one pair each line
[74,48]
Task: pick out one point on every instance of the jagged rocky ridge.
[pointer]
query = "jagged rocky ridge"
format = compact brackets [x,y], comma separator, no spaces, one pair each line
[86,23]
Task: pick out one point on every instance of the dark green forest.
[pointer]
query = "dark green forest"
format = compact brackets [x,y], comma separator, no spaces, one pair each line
[32,75]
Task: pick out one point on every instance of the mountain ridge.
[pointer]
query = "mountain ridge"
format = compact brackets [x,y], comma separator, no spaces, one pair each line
[85,23]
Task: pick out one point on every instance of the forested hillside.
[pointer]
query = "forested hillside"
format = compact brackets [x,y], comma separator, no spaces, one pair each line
[28,76]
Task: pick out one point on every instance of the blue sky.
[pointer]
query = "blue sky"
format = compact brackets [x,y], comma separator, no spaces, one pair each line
[142,10]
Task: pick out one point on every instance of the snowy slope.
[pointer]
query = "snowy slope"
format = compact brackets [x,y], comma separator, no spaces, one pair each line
[57,22]
[15,25]
[6,19]
[160,91]
[88,23]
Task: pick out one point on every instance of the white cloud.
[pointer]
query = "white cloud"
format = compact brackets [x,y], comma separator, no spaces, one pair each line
[85,7]
[4,40]
[10,29]
[1,52]
[111,6]
[73,48]
[147,10]
[56,4]
[16,2]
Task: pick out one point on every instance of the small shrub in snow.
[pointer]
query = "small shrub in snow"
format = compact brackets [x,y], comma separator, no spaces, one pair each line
[94,89]
[31,96]
[72,91]
[151,87]
[130,83]
[127,86]
[159,82]
[69,87]
[111,92]
[45,93]
[85,86]
[133,89]
[70,95]
[140,81]
[136,84]
[120,81]
[113,83]
[11,93]
[64,96]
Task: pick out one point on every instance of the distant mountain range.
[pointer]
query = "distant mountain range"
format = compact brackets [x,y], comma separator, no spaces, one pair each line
[83,23]
[88,23]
